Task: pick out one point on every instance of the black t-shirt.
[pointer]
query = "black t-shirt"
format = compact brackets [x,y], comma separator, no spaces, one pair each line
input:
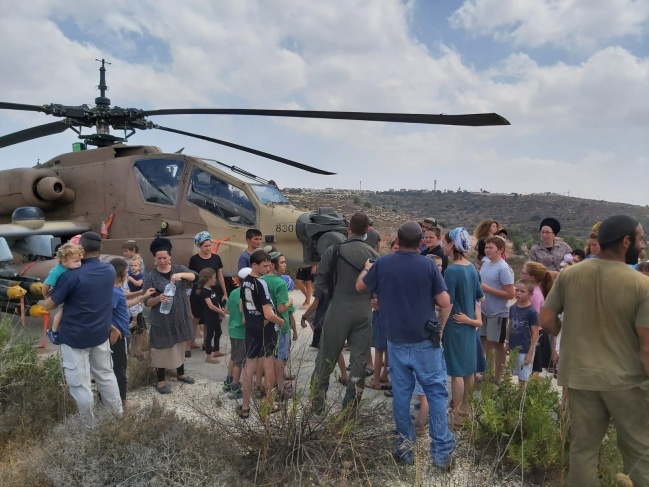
[254,295]
[437,250]
[197,264]
[210,316]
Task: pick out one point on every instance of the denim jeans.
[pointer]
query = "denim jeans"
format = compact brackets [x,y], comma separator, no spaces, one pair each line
[426,363]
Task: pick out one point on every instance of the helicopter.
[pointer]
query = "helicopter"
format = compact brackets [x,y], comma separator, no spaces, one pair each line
[135,192]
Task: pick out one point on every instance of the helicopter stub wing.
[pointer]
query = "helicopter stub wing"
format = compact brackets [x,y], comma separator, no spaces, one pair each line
[42,241]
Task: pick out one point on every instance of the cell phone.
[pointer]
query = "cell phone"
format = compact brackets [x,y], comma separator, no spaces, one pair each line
[372,261]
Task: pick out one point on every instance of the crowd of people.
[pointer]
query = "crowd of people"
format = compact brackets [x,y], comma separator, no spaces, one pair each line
[429,309]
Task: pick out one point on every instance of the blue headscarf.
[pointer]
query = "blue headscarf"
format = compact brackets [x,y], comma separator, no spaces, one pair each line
[202,237]
[461,239]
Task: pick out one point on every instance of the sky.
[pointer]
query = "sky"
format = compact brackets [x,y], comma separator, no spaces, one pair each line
[572,77]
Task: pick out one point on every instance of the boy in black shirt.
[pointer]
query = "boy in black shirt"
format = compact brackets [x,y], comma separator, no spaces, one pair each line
[262,326]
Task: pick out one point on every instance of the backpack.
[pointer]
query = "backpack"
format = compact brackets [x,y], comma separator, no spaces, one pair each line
[332,276]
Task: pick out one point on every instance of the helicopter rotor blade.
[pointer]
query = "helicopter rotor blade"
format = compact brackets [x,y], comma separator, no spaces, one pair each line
[20,106]
[247,149]
[472,120]
[33,133]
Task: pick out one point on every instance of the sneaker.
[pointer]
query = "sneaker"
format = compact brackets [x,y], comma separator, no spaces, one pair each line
[227,386]
[236,394]
[53,336]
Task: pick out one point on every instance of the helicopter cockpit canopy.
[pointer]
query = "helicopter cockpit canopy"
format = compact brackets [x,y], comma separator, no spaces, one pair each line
[268,193]
[159,180]
[209,192]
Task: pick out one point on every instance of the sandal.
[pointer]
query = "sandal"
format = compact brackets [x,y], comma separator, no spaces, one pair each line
[388,394]
[380,387]
[243,413]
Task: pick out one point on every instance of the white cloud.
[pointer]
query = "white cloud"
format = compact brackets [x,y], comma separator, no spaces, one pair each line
[337,55]
[582,24]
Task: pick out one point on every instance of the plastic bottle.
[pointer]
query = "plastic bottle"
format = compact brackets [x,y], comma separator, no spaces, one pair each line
[165,306]
[104,230]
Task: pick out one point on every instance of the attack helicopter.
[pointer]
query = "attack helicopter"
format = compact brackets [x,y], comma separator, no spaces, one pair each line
[134,192]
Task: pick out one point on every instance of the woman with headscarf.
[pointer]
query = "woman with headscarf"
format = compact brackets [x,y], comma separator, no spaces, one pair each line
[550,251]
[205,259]
[461,321]
[170,332]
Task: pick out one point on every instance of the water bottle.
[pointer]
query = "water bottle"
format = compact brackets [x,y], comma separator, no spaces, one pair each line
[165,306]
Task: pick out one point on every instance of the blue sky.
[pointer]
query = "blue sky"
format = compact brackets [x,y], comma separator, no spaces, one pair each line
[570,75]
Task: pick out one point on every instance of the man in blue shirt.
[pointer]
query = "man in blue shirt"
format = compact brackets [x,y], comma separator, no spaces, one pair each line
[87,293]
[408,286]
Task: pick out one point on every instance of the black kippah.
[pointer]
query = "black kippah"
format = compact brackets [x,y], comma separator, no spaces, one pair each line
[160,243]
[616,227]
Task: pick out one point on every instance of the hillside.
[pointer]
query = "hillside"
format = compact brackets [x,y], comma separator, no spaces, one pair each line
[520,214]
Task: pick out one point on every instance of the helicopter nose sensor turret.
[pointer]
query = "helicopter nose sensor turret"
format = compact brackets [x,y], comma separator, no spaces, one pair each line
[318,230]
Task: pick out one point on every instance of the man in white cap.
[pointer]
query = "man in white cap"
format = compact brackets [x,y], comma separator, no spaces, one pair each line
[605,351]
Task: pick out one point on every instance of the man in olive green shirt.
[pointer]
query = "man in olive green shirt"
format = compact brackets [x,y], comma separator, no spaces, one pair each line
[605,351]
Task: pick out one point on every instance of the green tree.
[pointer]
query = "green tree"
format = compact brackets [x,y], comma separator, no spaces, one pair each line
[367,204]
[357,200]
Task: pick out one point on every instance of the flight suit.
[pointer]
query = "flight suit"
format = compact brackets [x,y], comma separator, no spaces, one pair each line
[349,317]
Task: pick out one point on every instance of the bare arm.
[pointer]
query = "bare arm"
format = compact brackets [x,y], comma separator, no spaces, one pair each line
[507,293]
[140,298]
[271,316]
[643,335]
[549,320]
[309,312]
[443,300]
[49,304]
[136,282]
[216,309]
[47,290]
[360,285]
[529,356]
[221,280]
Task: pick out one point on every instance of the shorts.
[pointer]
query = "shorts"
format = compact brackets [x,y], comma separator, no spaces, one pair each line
[304,274]
[523,371]
[379,338]
[284,347]
[494,328]
[237,351]
[260,341]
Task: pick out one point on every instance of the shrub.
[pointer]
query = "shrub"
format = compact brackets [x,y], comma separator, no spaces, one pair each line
[521,425]
[153,447]
[33,395]
[298,447]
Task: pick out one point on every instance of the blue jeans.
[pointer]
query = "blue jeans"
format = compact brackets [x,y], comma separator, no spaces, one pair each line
[420,360]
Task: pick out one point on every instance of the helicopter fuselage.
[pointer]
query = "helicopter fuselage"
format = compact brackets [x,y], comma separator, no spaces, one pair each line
[139,191]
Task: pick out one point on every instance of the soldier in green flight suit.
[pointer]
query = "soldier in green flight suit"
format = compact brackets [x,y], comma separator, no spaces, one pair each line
[349,316]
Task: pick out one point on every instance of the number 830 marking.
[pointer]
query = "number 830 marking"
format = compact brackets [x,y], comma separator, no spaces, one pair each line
[284,228]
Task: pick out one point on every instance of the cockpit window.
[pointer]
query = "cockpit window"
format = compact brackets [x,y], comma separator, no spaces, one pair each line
[159,180]
[220,198]
[269,194]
